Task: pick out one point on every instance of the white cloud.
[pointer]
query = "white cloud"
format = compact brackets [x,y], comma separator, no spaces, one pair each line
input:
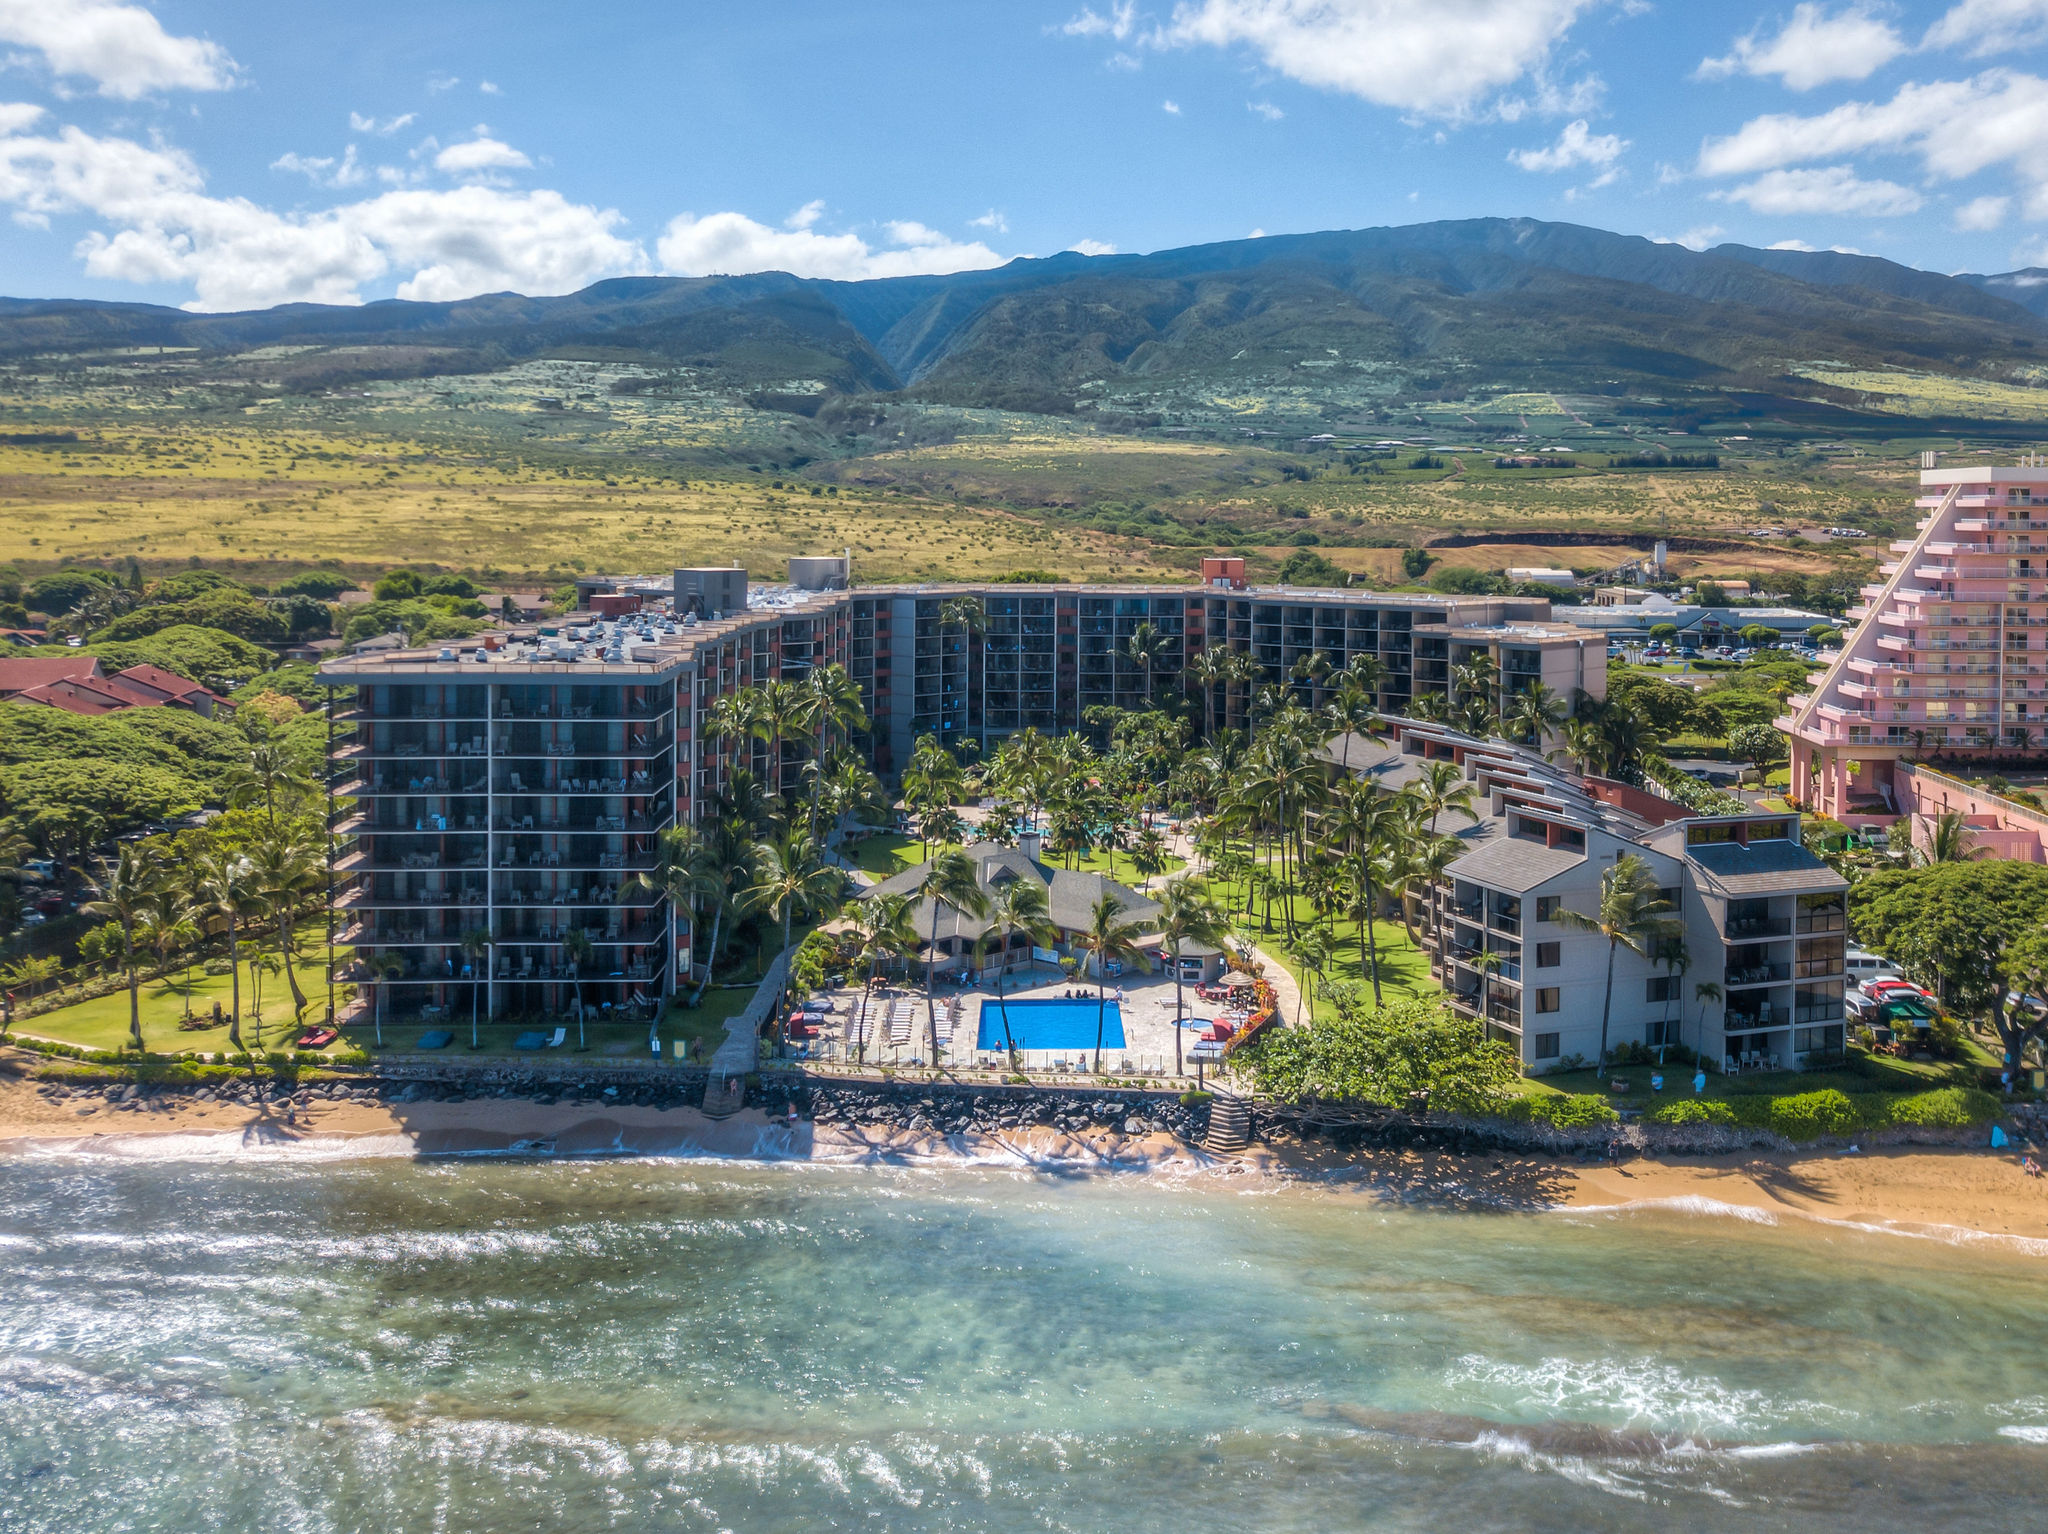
[1813,48]
[1120,21]
[325,170]
[807,215]
[1827,189]
[382,127]
[122,49]
[1436,58]
[1256,234]
[1093,247]
[488,88]
[1264,109]
[1957,128]
[480,155]
[1791,245]
[1171,108]
[990,220]
[438,83]
[1698,238]
[1576,145]
[159,225]
[727,244]
[1982,27]
[1982,213]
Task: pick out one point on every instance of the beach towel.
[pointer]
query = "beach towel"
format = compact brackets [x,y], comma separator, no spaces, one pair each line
[438,1038]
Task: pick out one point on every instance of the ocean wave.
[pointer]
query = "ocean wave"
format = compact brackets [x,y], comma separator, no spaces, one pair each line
[1638,1391]
[2025,1433]
[1679,1203]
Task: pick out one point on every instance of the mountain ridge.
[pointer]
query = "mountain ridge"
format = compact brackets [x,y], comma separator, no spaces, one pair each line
[1471,302]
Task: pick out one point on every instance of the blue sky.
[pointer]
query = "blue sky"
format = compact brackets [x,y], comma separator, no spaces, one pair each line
[228,155]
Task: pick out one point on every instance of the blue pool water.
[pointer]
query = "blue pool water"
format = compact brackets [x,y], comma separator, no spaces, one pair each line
[1051,1023]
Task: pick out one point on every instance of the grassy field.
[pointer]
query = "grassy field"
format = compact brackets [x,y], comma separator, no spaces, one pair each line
[232,499]
[102,1023]
[548,468]
[1404,968]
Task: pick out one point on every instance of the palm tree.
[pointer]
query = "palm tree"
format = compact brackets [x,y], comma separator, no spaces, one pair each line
[223,882]
[1703,993]
[271,774]
[1209,670]
[1368,821]
[835,709]
[1948,840]
[285,867]
[167,927]
[1146,647]
[790,876]
[1018,905]
[1350,710]
[968,615]
[887,931]
[1534,712]
[1188,913]
[685,871]
[1632,914]
[1440,786]
[476,947]
[124,893]
[579,951]
[779,711]
[948,879]
[1110,939]
[1675,959]
[384,967]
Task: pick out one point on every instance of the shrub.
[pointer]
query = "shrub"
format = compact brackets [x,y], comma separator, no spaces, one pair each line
[1564,1110]
[1807,1115]
[1693,1110]
[1946,1107]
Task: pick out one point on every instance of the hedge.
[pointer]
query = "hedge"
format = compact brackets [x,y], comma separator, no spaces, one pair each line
[1808,1115]
[1564,1110]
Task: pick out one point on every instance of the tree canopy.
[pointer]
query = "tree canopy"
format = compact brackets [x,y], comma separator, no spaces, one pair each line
[1970,929]
[1396,1056]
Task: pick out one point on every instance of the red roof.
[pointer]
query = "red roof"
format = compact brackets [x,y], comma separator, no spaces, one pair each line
[158,680]
[28,671]
[75,695]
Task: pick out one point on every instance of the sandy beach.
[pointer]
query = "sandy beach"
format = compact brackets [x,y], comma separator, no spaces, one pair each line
[1953,1194]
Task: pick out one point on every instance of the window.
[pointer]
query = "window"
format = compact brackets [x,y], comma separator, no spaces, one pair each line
[1546,908]
[1546,999]
[1546,1046]
[1661,988]
[1671,895]
[1661,1033]
[1547,955]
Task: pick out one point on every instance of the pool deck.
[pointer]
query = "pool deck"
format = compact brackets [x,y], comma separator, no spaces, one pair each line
[1146,1007]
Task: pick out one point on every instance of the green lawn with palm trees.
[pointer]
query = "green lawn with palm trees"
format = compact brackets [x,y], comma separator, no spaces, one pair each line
[886,854]
[102,1022]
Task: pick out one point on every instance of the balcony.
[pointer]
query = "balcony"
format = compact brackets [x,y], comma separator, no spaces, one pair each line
[1758,974]
[1758,927]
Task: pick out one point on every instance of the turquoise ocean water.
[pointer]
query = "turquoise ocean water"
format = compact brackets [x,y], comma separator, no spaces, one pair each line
[484,1346]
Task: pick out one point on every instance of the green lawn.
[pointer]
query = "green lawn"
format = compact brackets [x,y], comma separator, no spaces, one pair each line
[1863,1072]
[103,1022]
[1404,968]
[889,854]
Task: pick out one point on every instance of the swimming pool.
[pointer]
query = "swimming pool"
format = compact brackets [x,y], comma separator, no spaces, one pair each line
[1049,1023]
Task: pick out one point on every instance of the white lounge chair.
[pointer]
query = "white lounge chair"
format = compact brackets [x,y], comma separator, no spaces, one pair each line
[561,1037]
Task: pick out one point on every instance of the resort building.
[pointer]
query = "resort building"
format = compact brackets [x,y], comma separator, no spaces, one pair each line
[1764,919]
[965,941]
[1949,658]
[515,784]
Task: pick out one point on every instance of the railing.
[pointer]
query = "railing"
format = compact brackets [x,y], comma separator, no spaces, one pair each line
[1759,974]
[1776,926]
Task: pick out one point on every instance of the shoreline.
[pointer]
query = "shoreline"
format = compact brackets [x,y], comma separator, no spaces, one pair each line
[1954,1195]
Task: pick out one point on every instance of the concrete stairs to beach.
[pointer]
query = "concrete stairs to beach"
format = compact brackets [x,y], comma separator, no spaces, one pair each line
[724,1096]
[1230,1125]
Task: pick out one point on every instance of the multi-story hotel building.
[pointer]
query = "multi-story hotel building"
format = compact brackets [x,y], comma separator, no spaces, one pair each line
[1763,919]
[514,785]
[1949,656]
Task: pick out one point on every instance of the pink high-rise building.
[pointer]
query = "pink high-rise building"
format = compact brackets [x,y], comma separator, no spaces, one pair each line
[1949,657]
